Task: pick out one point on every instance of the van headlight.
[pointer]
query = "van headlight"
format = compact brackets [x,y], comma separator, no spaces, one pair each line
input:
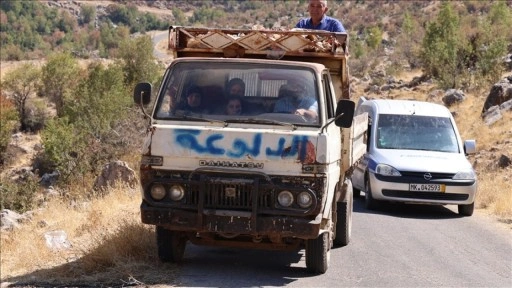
[285,198]
[464,175]
[386,170]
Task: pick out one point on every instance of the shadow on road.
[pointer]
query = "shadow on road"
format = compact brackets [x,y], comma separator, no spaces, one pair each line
[397,209]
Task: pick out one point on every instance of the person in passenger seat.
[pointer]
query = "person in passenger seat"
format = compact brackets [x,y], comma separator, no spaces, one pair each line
[293,99]
[234,106]
[235,87]
[193,102]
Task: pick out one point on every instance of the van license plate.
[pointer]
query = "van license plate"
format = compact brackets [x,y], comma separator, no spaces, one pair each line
[427,187]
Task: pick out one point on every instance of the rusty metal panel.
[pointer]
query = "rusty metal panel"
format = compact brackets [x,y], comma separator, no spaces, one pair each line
[293,42]
[217,40]
[255,41]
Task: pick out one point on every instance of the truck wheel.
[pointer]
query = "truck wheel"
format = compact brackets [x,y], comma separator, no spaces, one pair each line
[467,209]
[170,245]
[318,253]
[369,202]
[344,218]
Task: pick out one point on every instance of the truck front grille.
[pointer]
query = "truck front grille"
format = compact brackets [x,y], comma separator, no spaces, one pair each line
[226,193]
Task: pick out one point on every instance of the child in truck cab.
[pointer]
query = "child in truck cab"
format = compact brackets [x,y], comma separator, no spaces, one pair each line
[235,87]
[193,101]
[292,98]
[234,106]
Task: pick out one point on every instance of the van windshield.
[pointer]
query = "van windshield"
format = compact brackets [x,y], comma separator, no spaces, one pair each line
[239,92]
[411,132]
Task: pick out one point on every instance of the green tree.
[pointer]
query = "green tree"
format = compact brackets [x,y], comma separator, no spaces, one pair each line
[8,124]
[59,76]
[442,48]
[88,14]
[137,60]
[87,135]
[490,44]
[179,16]
[374,37]
[20,84]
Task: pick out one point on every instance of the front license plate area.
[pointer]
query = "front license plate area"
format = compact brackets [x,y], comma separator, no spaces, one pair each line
[427,187]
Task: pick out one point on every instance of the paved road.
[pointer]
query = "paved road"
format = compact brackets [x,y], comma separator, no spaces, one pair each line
[396,246]
[157,38]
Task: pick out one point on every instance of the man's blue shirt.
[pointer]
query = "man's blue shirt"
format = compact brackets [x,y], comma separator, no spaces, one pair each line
[328,24]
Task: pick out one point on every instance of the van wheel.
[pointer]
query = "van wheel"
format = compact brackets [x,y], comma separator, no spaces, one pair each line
[467,209]
[170,245]
[344,218]
[318,254]
[369,202]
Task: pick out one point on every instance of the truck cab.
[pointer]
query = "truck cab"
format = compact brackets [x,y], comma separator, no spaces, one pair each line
[268,176]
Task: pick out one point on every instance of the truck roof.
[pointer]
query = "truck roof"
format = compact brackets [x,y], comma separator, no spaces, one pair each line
[315,66]
[405,107]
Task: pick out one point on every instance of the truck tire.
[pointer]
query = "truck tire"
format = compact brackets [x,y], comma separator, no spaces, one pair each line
[467,209]
[170,245]
[369,202]
[318,254]
[344,218]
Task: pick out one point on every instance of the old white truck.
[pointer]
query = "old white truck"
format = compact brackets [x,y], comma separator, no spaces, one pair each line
[274,175]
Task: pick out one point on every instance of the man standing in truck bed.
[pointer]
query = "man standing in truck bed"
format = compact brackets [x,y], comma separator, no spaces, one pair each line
[318,20]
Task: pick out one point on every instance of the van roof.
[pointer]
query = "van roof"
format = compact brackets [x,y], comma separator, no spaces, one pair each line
[404,107]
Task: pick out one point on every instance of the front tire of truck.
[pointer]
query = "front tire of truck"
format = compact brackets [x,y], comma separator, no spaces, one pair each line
[170,245]
[318,254]
[344,217]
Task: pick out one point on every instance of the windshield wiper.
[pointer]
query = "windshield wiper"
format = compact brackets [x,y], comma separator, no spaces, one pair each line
[264,121]
[188,117]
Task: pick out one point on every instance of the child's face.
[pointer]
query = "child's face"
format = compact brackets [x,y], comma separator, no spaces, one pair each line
[236,90]
[234,107]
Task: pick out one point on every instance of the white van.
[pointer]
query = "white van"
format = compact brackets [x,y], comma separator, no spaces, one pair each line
[414,155]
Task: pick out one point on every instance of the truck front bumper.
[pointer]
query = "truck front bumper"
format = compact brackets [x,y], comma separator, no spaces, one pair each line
[235,222]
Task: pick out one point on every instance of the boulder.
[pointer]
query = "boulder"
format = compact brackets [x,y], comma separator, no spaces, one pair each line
[452,96]
[500,93]
[114,172]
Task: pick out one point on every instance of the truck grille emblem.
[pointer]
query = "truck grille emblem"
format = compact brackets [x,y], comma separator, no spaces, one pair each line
[230,192]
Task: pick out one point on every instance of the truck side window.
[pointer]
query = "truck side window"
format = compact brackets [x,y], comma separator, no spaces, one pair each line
[328,95]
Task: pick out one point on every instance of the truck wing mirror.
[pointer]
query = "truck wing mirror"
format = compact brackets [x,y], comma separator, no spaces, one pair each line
[142,93]
[344,113]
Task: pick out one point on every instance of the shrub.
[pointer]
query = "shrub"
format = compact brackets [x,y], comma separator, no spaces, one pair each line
[36,116]
[19,195]
[8,125]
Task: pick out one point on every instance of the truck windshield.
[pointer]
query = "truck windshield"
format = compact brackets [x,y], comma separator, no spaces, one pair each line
[411,132]
[234,92]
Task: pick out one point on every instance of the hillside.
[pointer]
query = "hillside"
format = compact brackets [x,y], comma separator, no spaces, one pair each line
[109,242]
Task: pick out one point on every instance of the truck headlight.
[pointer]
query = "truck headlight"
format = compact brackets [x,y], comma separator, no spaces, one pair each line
[158,192]
[177,192]
[386,170]
[304,199]
[285,198]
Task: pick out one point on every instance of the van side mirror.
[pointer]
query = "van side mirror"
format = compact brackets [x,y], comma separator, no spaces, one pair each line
[344,113]
[142,93]
[469,147]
